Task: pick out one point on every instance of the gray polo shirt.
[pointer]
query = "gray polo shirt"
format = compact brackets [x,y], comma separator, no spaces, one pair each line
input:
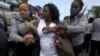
[96,30]
[17,26]
[76,28]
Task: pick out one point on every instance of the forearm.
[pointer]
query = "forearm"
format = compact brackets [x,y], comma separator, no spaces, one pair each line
[76,29]
[14,37]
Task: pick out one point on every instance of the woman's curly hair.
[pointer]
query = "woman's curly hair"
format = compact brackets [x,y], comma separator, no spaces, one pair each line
[53,11]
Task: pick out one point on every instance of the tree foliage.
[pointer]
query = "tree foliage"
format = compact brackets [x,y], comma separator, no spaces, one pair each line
[96,11]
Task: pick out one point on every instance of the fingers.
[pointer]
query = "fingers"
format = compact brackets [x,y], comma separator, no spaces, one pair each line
[28,24]
[29,39]
[48,30]
[58,41]
[45,30]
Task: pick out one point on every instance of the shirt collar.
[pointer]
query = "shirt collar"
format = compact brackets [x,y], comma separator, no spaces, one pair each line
[20,19]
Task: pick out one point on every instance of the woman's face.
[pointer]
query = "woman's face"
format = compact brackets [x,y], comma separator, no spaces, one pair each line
[46,12]
[24,10]
[75,8]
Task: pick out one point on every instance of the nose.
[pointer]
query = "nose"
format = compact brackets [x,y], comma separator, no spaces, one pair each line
[21,11]
[73,9]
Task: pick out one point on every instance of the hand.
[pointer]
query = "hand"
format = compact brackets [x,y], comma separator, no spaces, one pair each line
[57,40]
[23,39]
[27,39]
[48,29]
[60,29]
[29,25]
[61,26]
[30,38]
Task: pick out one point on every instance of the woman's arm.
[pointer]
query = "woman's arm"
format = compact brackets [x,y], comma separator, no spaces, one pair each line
[79,28]
[14,33]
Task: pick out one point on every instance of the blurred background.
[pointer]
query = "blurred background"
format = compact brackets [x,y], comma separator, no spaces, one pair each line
[92,10]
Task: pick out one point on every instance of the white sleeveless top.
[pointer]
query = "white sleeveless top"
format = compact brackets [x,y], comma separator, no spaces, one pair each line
[46,40]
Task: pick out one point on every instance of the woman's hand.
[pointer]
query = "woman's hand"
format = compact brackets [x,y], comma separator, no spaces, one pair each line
[23,39]
[61,26]
[29,25]
[60,29]
[28,39]
[49,29]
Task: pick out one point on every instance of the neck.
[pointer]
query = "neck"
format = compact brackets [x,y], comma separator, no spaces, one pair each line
[26,19]
[72,17]
[48,21]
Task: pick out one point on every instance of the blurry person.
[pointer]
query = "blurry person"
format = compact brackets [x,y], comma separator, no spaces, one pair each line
[88,35]
[95,40]
[3,42]
[14,7]
[15,11]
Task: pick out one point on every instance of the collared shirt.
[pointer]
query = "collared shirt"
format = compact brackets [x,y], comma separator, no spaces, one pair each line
[76,28]
[96,30]
[17,26]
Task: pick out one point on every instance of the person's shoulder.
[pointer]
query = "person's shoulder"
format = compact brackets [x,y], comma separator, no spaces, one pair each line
[97,20]
[82,16]
[66,17]
[13,21]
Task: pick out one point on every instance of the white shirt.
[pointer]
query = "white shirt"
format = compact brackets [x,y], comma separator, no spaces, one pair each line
[46,40]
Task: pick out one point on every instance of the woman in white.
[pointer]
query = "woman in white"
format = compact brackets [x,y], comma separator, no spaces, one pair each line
[47,31]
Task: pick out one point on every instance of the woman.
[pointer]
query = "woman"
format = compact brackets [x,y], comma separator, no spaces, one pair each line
[75,25]
[23,33]
[46,30]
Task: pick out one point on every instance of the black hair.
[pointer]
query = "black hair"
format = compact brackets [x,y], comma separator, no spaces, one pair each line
[91,19]
[53,11]
[30,8]
[33,33]
[80,2]
[12,6]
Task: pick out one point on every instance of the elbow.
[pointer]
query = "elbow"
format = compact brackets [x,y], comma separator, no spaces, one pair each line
[82,30]
[11,37]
